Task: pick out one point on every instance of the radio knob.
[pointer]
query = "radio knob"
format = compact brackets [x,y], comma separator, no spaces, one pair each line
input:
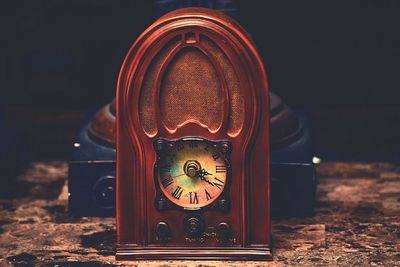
[194,225]
[224,231]
[104,191]
[162,230]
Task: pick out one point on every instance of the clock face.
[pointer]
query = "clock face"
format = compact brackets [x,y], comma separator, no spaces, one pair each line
[192,173]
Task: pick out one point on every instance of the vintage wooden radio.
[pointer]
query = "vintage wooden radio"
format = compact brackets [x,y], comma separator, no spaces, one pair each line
[193,142]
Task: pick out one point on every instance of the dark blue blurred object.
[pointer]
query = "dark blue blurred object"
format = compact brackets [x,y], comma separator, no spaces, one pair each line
[12,156]
[293,180]
[91,178]
[228,7]
[92,167]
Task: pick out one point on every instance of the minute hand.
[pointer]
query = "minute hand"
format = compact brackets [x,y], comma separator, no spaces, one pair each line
[172,177]
[202,173]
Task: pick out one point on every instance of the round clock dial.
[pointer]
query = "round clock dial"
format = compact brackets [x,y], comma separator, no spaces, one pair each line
[193,174]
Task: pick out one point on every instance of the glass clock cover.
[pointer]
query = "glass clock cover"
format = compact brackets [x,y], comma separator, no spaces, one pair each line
[192,173]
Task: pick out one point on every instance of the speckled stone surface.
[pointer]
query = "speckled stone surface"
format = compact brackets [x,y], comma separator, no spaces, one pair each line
[356,222]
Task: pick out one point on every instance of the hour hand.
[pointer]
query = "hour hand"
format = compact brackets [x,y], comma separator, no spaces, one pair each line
[203,172]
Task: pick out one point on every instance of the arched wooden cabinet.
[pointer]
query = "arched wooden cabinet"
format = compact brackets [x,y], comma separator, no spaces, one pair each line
[193,142]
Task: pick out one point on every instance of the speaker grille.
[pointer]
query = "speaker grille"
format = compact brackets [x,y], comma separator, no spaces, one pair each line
[236,109]
[147,109]
[191,90]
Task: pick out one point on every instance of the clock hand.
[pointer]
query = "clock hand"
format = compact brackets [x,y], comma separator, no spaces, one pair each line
[202,173]
[172,177]
[206,180]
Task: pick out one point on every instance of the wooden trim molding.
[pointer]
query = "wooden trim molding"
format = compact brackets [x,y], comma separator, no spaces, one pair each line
[183,253]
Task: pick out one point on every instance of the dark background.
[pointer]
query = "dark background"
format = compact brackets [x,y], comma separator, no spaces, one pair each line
[337,60]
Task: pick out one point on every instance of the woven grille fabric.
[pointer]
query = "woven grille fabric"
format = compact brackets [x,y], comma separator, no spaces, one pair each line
[237,110]
[191,91]
[148,92]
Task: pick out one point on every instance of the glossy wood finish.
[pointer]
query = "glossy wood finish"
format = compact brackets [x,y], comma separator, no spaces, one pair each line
[249,191]
[285,127]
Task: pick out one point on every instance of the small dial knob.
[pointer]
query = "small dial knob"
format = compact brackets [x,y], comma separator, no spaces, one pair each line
[162,230]
[161,204]
[224,231]
[194,225]
[104,191]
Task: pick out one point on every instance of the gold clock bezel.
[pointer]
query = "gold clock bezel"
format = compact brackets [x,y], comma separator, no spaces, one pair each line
[220,203]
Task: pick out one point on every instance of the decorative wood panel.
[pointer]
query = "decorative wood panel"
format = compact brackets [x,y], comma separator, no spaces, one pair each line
[191,91]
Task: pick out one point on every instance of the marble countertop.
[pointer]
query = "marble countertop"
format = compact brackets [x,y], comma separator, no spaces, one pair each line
[356,222]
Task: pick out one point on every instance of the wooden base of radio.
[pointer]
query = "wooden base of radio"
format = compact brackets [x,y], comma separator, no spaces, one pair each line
[132,252]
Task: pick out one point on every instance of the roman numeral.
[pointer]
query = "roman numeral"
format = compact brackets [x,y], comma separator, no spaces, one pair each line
[216,156]
[219,183]
[166,181]
[219,169]
[193,198]
[208,196]
[177,192]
